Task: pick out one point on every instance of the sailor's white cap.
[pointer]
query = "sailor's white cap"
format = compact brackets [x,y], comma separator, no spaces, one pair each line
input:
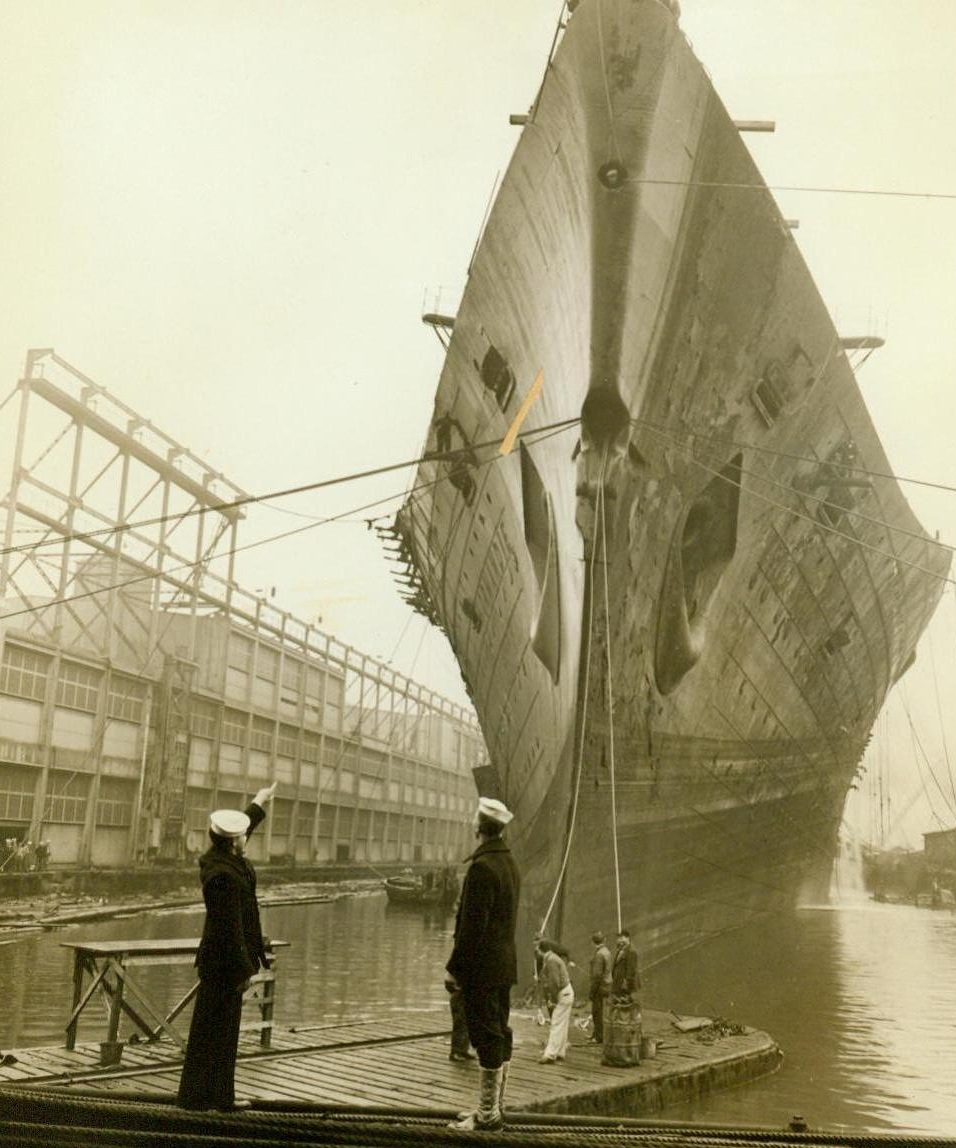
[229,823]
[494,810]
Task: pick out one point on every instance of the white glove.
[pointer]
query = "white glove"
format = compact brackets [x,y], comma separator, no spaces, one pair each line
[264,796]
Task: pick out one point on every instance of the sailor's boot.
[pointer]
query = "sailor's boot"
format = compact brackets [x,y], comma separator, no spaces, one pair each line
[487,1117]
[501,1088]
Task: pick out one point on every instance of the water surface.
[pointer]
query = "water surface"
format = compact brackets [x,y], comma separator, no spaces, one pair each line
[862,998]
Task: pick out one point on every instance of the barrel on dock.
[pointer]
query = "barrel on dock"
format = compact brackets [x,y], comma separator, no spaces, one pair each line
[622,1032]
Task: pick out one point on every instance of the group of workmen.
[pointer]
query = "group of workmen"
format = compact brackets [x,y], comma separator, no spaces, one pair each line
[23,856]
[480,973]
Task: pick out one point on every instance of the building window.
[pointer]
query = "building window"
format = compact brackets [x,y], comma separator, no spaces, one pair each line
[78,687]
[16,794]
[313,695]
[67,797]
[267,664]
[234,727]
[293,672]
[364,824]
[392,833]
[202,719]
[332,754]
[229,799]
[372,780]
[198,808]
[310,748]
[288,741]
[115,804]
[267,673]
[304,820]
[281,817]
[346,817]
[23,673]
[326,820]
[263,734]
[334,698]
[126,699]
[240,653]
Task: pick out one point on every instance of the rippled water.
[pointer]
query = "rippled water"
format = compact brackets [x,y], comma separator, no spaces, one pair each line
[862,999]
[356,956]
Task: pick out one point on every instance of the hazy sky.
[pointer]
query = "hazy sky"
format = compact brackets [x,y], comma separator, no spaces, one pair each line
[229,213]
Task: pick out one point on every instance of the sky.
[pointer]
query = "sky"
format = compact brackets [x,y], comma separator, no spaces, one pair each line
[232,213]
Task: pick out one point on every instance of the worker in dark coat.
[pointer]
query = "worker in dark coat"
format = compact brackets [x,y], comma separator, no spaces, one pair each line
[600,985]
[484,961]
[230,953]
[625,978]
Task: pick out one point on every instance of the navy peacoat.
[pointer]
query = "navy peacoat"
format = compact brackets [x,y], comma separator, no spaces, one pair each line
[232,949]
[484,955]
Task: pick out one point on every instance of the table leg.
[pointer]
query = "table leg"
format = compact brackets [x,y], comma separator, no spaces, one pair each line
[79,967]
[267,1003]
[116,1003]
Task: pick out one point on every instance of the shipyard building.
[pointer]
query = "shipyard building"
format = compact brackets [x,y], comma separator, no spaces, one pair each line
[141,686]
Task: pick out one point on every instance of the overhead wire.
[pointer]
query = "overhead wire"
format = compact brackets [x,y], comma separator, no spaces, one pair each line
[820,500]
[725,440]
[410,735]
[950,806]
[794,513]
[443,456]
[452,454]
[188,565]
[206,557]
[825,189]
[939,712]
[853,513]
[269,496]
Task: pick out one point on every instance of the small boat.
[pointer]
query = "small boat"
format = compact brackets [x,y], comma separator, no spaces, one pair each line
[433,888]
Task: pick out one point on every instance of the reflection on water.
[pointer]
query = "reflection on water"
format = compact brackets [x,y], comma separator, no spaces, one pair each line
[352,957]
[361,957]
[861,999]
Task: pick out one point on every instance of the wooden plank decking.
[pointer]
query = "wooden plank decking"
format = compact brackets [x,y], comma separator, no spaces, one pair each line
[402,1061]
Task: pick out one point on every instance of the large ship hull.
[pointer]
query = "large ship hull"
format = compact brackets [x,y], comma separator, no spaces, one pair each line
[679,618]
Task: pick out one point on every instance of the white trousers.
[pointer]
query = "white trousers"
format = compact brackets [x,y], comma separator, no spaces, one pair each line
[560,1023]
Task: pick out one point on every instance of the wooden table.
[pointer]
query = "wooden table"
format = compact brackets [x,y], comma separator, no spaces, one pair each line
[107,963]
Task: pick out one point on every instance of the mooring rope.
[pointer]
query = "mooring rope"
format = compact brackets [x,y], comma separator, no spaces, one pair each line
[46,1119]
[583,712]
[610,705]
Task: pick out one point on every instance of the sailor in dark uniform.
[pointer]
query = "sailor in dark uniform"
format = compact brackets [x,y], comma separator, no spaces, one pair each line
[230,952]
[484,963]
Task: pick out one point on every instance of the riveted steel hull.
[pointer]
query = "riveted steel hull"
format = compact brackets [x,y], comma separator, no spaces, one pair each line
[706,531]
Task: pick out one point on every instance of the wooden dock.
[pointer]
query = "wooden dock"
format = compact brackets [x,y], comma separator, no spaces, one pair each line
[401,1061]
